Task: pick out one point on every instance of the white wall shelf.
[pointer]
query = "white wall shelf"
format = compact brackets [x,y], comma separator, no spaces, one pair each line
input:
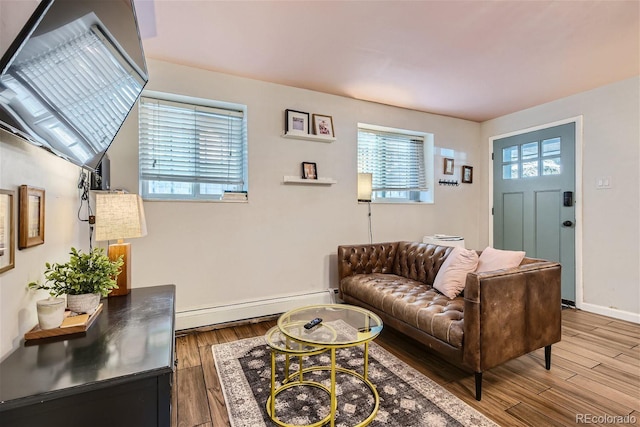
[308,137]
[297,180]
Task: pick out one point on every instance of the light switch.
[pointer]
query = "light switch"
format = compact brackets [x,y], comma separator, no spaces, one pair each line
[604,183]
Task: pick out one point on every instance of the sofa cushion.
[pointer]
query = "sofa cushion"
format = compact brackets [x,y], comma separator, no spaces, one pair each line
[451,277]
[410,301]
[496,259]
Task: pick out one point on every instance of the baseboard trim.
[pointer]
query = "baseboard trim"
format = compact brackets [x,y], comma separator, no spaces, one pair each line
[205,316]
[610,312]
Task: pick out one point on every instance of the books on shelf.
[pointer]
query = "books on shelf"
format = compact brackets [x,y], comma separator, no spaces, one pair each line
[235,195]
[446,237]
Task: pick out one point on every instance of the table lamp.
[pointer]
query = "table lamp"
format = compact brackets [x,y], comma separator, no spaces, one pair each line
[120,216]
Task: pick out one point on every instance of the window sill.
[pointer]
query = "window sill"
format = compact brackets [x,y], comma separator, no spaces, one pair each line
[195,200]
[396,202]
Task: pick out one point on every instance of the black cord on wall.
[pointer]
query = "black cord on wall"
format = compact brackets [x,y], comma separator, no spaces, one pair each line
[85,187]
[370,228]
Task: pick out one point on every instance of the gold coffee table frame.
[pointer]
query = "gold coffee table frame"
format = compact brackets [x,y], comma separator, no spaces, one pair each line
[365,327]
[290,348]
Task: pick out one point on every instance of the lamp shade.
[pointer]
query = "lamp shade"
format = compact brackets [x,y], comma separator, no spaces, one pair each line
[119,216]
[365,181]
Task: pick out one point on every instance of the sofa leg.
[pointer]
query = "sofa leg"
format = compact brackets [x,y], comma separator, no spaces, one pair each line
[547,357]
[478,376]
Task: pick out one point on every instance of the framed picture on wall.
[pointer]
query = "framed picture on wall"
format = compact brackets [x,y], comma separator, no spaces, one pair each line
[7,231]
[448,166]
[323,125]
[296,122]
[30,217]
[309,170]
[467,174]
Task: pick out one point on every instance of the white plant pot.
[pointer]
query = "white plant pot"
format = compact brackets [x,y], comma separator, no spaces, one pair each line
[84,303]
[50,312]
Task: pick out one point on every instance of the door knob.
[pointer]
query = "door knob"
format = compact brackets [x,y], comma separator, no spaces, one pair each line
[567,223]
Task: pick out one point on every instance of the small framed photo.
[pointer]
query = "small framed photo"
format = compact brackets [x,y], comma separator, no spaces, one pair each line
[296,122]
[30,217]
[309,170]
[323,125]
[7,232]
[467,174]
[448,166]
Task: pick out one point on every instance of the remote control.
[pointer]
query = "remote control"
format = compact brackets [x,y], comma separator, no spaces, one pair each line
[313,323]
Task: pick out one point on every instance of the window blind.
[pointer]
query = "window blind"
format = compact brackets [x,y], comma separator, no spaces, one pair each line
[396,160]
[182,142]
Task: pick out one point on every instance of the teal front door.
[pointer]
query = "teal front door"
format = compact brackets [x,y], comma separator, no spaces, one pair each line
[533,196]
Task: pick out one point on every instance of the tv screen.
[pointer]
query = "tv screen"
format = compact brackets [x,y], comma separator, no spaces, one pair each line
[72,76]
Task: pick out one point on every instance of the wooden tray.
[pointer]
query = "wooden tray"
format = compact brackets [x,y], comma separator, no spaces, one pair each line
[37,333]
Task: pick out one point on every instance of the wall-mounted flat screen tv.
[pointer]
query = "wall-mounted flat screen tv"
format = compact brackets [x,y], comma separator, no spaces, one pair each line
[71,77]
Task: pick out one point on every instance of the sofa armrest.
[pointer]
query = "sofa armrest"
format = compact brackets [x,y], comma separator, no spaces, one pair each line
[509,313]
[366,259]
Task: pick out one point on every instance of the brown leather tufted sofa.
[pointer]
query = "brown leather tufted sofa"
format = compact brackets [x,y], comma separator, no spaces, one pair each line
[500,315]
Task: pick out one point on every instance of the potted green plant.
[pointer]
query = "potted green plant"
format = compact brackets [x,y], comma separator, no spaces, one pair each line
[85,278]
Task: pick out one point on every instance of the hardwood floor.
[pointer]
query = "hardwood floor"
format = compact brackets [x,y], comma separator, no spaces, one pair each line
[595,371]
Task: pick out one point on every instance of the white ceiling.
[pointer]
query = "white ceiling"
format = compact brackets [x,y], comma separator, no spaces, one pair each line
[469,59]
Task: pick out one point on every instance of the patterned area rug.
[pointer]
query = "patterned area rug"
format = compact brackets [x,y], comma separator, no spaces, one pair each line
[407,398]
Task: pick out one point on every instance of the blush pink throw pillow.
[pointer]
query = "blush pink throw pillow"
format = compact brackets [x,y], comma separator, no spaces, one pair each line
[452,275]
[496,259]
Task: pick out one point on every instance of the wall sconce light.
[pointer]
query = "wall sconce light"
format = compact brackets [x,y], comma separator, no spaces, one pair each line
[120,216]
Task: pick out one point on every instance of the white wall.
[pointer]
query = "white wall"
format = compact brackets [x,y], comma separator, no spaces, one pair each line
[22,163]
[283,241]
[231,259]
[611,218]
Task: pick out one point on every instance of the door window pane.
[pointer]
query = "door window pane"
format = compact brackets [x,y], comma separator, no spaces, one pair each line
[552,166]
[510,171]
[551,147]
[529,169]
[530,150]
[510,154]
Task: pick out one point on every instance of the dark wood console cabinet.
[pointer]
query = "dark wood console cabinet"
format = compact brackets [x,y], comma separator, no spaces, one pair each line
[118,373]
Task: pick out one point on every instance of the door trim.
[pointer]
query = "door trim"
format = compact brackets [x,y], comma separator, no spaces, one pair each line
[578,121]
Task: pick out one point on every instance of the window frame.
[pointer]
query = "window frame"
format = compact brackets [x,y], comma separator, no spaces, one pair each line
[196,194]
[414,196]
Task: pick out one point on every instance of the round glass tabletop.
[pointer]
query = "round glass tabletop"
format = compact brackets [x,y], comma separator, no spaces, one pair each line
[339,325]
[280,342]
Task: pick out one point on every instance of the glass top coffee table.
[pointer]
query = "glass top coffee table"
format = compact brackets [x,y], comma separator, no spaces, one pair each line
[336,326]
